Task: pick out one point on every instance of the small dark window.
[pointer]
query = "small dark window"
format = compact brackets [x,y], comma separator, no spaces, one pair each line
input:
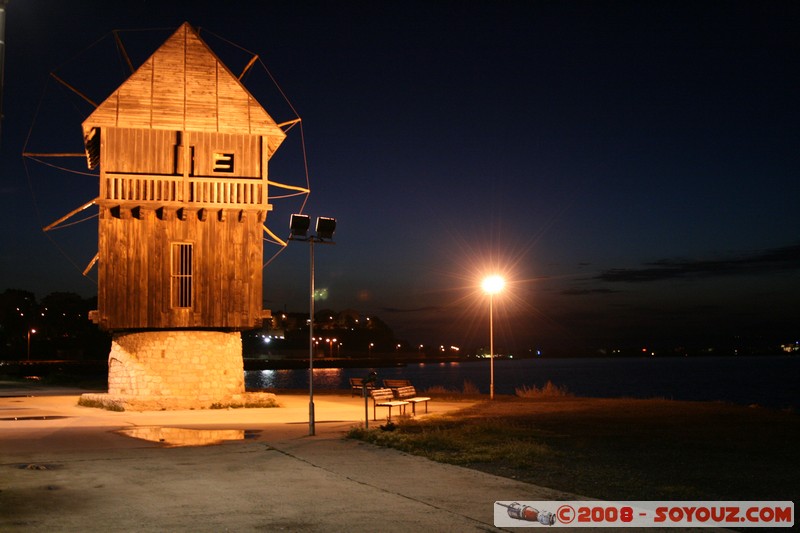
[181,274]
[223,162]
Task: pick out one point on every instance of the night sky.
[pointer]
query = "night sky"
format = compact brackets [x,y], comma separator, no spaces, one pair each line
[631,167]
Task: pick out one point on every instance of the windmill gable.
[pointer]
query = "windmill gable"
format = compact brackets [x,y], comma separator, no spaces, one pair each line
[184,86]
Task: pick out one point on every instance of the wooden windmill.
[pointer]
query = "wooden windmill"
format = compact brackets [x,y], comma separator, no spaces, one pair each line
[183,151]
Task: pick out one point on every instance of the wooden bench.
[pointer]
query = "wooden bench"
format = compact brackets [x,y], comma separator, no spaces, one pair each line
[409,394]
[357,386]
[385,398]
[395,384]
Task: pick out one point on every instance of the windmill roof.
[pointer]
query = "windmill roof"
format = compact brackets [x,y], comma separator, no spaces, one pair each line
[185,86]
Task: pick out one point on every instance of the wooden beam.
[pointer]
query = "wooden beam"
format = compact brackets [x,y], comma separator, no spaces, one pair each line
[91,263]
[290,187]
[247,67]
[289,122]
[70,215]
[280,241]
[73,89]
[54,154]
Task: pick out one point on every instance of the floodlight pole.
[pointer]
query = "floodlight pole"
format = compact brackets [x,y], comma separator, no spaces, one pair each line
[311,430]
[299,227]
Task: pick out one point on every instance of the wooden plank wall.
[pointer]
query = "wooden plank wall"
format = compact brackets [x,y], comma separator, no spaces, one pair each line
[136,151]
[247,150]
[155,152]
[134,270]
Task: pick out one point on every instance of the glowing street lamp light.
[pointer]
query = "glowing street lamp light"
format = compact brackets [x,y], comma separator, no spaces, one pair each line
[299,226]
[492,285]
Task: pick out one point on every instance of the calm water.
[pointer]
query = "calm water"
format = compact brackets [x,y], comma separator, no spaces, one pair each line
[772,381]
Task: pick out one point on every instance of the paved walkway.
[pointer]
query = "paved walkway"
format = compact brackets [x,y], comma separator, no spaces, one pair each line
[68,468]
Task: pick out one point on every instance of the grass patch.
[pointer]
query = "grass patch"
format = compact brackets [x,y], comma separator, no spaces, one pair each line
[548,391]
[439,391]
[446,440]
[616,449]
[247,404]
[84,401]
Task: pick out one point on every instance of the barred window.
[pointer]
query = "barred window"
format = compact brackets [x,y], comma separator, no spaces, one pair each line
[181,274]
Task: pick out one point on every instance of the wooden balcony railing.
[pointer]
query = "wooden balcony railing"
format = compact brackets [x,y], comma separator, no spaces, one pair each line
[206,192]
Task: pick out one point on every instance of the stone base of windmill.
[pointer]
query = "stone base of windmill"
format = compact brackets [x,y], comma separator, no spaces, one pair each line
[173,370]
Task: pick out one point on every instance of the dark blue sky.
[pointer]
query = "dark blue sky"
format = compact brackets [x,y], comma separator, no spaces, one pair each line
[632,166]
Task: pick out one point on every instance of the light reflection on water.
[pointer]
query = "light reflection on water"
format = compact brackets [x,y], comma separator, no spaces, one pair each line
[326,378]
[176,437]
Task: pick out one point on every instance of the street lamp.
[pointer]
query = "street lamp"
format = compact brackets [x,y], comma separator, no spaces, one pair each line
[330,342]
[30,330]
[492,285]
[299,225]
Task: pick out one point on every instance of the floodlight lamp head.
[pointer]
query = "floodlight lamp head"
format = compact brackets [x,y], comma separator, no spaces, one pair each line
[299,224]
[325,227]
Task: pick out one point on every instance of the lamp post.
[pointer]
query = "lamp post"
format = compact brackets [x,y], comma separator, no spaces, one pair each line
[299,224]
[331,342]
[492,285]
[30,330]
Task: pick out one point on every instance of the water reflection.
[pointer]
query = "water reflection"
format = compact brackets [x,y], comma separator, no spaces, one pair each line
[328,378]
[175,437]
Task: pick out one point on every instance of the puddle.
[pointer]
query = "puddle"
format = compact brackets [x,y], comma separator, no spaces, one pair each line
[177,437]
[321,422]
[45,417]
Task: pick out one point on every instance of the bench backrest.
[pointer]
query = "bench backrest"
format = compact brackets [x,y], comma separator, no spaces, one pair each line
[406,392]
[381,395]
[396,383]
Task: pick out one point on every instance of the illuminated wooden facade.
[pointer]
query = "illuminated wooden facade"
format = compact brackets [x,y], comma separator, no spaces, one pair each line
[182,149]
